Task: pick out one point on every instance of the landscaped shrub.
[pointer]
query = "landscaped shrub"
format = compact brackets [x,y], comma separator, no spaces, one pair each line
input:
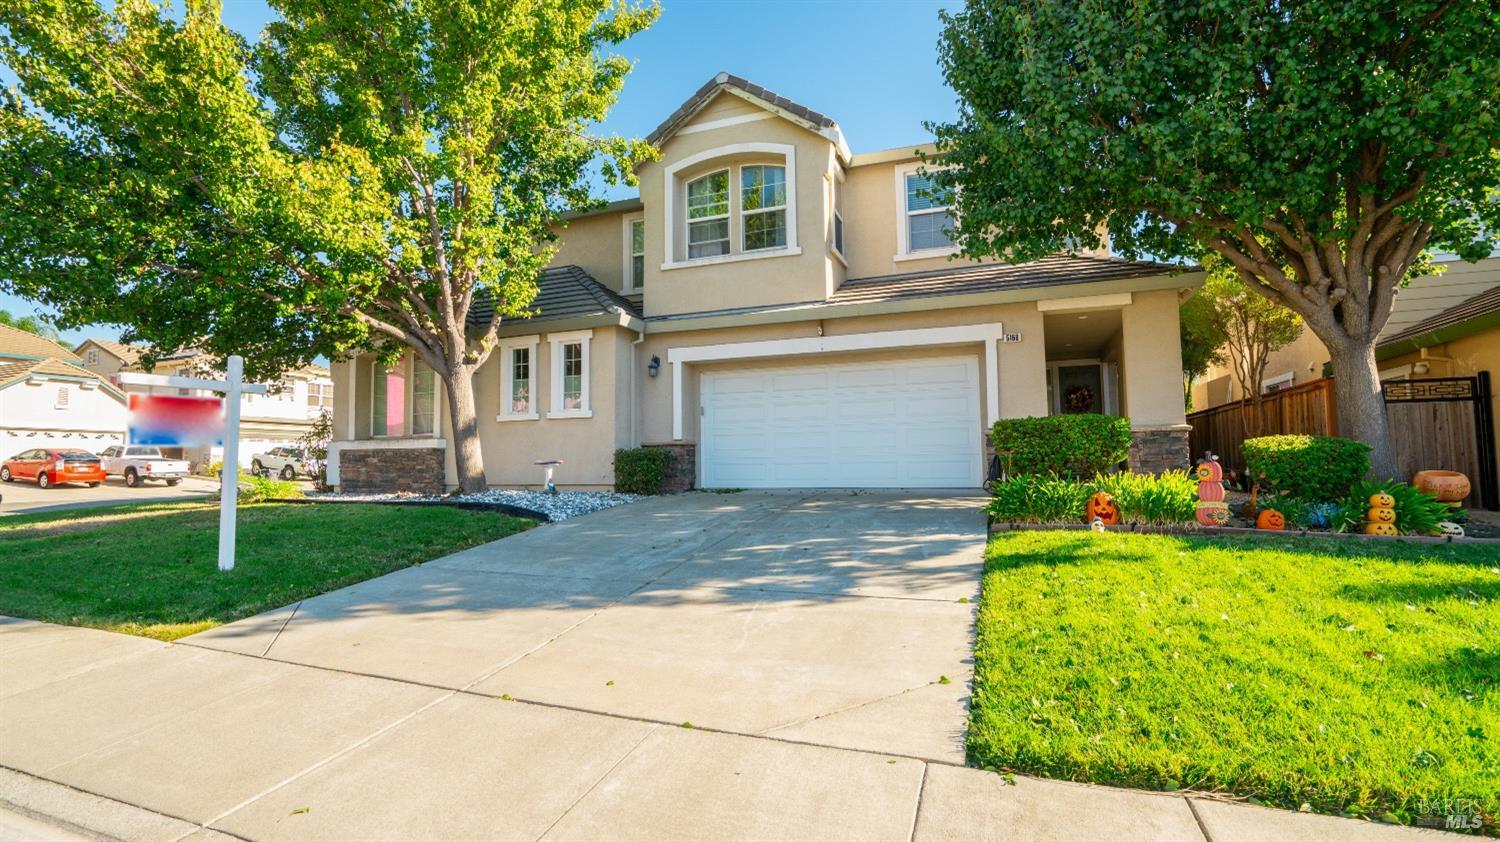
[1417,512]
[255,489]
[1039,499]
[641,470]
[1171,497]
[1309,469]
[1065,445]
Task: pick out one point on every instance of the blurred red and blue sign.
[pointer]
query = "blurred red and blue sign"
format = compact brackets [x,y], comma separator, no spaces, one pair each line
[175,421]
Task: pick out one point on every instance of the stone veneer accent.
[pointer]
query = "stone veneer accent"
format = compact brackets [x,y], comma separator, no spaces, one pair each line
[682,469]
[416,470]
[1157,449]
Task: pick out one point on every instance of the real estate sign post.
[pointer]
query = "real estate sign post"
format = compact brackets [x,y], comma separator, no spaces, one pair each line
[180,421]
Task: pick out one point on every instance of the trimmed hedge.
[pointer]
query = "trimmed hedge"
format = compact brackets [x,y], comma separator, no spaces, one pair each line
[1082,445]
[641,470]
[1312,469]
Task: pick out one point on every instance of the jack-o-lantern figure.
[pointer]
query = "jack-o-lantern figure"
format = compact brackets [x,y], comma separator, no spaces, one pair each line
[1213,514]
[1381,529]
[1450,529]
[1101,505]
[1381,515]
[1382,501]
[1270,519]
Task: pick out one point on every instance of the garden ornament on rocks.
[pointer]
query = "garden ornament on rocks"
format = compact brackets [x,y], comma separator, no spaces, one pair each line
[1212,510]
[1097,524]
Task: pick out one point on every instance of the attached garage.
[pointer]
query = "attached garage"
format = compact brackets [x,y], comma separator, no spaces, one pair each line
[906,424]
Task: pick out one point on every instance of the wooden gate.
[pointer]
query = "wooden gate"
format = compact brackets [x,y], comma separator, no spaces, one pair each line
[1446,423]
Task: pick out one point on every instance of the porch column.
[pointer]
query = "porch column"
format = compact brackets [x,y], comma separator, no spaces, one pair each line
[1151,380]
[1023,367]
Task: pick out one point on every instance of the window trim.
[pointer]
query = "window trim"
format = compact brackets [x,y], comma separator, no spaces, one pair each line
[675,193]
[507,375]
[739,204]
[555,342]
[903,216]
[628,284]
[407,365]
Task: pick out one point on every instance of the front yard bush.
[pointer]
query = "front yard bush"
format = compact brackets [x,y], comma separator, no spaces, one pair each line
[257,489]
[1141,498]
[1310,469]
[1065,445]
[641,470]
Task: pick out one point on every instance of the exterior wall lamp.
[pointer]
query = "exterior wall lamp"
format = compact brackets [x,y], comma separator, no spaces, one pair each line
[654,367]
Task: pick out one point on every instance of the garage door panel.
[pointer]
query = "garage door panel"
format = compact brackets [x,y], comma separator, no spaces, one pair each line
[861,425]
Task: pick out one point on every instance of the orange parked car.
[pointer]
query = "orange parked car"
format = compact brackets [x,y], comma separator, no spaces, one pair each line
[48,467]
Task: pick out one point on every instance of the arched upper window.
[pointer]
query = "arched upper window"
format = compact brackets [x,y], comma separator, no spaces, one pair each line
[708,215]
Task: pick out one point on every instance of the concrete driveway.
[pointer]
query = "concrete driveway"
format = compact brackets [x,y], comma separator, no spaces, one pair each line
[540,687]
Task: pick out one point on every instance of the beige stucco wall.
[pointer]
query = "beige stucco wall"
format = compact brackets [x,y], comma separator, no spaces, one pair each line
[1150,360]
[597,244]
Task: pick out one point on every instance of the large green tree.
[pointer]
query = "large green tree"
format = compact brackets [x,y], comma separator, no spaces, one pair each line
[1317,146]
[355,180]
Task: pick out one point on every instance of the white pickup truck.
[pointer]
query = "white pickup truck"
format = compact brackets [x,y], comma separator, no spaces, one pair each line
[138,463]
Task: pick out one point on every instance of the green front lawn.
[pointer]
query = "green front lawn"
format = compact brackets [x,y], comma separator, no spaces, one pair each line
[153,569]
[1345,675]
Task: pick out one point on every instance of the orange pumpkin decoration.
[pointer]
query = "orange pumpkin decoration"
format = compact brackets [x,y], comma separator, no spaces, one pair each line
[1212,514]
[1381,529]
[1382,501]
[1101,505]
[1211,492]
[1270,519]
[1446,486]
[1381,515]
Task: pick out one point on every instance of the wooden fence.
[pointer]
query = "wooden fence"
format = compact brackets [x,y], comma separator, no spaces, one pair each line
[1301,410]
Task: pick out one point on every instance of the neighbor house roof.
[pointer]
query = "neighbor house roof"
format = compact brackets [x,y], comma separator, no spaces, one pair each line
[128,354]
[15,342]
[1057,270]
[563,292]
[18,371]
[746,89]
[1466,318]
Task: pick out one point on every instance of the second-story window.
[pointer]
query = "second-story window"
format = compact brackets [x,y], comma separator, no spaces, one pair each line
[928,217]
[708,215]
[637,253]
[763,206]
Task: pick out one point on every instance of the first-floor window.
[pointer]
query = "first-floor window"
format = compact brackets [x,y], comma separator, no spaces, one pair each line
[520,381]
[570,374]
[423,400]
[518,377]
[388,401]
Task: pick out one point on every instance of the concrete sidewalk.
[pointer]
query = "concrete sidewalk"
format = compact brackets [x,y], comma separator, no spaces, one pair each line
[537,688]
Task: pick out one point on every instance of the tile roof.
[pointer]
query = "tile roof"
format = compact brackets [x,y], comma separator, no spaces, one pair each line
[15,370]
[1058,270]
[20,343]
[718,83]
[128,354]
[562,292]
[1486,303]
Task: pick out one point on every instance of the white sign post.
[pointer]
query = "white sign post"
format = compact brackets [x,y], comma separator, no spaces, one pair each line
[229,476]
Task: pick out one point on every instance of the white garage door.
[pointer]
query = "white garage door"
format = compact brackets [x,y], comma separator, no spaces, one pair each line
[868,425]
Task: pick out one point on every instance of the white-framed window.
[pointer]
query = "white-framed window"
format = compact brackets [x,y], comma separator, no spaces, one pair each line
[635,253]
[423,399]
[319,394]
[924,225]
[1279,383]
[836,214]
[708,215]
[762,207]
[518,379]
[569,354]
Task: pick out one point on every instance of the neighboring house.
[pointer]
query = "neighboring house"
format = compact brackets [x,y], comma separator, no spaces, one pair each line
[47,399]
[1304,359]
[781,313]
[276,419]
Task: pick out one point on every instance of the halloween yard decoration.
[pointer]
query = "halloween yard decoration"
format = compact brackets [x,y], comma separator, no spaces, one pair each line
[1212,510]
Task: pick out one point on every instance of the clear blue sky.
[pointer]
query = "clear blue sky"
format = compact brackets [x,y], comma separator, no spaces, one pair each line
[871,66]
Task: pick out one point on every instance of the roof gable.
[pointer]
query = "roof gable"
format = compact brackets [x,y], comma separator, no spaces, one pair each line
[19,371]
[127,354]
[726,83]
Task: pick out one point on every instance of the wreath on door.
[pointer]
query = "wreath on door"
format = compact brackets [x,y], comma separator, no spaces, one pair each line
[1079,399]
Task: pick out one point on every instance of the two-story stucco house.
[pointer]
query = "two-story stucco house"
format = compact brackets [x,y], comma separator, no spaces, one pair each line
[279,418]
[781,313]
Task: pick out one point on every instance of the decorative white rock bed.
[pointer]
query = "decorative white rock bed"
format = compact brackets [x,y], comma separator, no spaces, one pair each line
[559,506]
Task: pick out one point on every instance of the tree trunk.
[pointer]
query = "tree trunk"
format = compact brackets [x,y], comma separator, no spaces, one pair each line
[466,452]
[1361,406]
